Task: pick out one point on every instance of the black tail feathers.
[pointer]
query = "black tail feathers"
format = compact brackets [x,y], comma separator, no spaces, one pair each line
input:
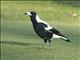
[66,39]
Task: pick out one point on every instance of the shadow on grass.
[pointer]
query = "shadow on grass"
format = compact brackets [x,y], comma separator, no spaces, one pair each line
[17,43]
[29,45]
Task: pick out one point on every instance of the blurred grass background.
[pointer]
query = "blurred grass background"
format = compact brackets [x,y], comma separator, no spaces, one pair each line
[20,42]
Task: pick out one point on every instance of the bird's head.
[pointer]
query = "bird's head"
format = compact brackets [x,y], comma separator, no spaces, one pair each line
[31,13]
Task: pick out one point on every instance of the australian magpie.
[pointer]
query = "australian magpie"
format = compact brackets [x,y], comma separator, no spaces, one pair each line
[43,29]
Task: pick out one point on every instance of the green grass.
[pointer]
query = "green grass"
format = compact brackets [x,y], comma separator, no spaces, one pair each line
[20,42]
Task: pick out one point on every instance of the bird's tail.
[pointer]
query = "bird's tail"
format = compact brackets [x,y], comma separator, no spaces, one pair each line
[66,39]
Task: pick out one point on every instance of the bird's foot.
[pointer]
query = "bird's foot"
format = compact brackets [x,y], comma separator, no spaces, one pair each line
[47,45]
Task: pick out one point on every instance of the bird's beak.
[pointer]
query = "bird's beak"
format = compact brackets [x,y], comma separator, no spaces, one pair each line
[27,13]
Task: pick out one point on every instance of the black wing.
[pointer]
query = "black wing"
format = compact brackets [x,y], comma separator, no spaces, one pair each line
[45,34]
[54,31]
[42,24]
[41,27]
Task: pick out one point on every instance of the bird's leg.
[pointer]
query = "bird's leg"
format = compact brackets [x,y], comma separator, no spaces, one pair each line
[45,46]
[49,43]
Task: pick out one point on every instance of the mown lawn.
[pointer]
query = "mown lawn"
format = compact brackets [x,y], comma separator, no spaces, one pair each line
[20,42]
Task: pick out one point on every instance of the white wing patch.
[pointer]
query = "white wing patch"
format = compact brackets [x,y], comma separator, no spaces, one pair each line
[48,28]
[39,20]
[57,36]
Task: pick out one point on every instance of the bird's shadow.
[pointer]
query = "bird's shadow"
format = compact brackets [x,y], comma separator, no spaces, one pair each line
[31,45]
[18,43]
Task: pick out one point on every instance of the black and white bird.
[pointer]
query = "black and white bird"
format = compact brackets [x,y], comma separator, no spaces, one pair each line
[43,29]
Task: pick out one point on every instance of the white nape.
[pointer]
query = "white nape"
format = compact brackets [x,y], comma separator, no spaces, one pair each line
[39,20]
